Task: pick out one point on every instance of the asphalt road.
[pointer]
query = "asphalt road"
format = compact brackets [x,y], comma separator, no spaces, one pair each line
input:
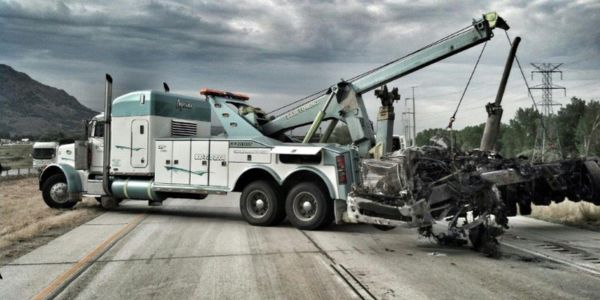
[203,249]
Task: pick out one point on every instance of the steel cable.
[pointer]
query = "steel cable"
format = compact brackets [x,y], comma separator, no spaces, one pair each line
[453,118]
[321,92]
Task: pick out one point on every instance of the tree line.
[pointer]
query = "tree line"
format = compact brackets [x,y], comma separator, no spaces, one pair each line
[573,131]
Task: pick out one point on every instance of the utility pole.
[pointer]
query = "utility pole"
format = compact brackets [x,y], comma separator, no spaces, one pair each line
[407,128]
[547,70]
[406,120]
[414,115]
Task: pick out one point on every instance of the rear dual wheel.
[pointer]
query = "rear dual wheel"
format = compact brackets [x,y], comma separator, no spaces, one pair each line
[308,207]
[260,204]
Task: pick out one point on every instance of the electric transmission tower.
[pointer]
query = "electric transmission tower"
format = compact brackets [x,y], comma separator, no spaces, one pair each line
[548,133]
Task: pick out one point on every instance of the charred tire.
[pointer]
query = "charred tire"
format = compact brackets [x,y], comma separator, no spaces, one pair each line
[592,179]
[55,192]
[524,208]
[308,207]
[484,240]
[261,205]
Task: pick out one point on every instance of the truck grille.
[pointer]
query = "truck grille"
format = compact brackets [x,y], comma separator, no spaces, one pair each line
[183,128]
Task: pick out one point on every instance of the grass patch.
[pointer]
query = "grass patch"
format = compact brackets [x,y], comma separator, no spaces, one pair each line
[25,218]
[582,214]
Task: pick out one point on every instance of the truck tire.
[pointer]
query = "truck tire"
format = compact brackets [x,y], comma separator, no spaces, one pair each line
[108,202]
[260,204]
[55,192]
[592,179]
[308,207]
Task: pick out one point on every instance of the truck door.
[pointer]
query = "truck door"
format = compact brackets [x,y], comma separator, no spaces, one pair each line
[200,158]
[219,163]
[97,146]
[139,143]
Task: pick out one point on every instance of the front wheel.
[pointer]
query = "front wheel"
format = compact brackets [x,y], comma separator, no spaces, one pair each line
[308,207]
[260,204]
[56,193]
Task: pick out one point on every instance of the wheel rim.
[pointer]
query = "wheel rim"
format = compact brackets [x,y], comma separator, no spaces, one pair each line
[257,204]
[305,206]
[58,192]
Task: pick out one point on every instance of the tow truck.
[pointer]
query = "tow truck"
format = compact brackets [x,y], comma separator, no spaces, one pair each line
[152,145]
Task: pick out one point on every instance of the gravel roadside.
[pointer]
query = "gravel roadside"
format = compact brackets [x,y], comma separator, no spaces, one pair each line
[27,223]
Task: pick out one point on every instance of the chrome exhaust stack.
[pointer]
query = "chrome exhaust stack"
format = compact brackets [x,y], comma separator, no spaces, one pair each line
[107,121]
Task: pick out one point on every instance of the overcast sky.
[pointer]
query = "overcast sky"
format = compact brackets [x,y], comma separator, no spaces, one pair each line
[279,51]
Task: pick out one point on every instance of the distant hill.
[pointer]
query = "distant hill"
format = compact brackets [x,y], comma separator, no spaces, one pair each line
[28,107]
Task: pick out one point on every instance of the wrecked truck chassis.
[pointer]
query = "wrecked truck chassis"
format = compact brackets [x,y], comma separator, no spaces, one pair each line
[473,192]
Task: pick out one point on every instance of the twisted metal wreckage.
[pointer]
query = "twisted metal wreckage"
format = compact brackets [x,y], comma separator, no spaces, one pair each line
[474,192]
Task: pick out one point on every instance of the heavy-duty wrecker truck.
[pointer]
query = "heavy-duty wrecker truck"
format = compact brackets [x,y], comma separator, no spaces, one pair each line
[154,145]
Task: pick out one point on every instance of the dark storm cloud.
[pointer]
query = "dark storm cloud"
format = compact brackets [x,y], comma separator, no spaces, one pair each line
[281,50]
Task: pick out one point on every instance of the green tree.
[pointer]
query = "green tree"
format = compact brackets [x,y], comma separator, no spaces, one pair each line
[470,137]
[519,137]
[424,136]
[567,121]
[588,130]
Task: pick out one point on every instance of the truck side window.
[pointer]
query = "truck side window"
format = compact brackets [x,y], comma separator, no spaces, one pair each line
[99,129]
[395,143]
[141,129]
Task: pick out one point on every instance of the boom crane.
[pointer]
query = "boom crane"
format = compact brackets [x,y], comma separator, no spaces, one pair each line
[343,101]
[158,145]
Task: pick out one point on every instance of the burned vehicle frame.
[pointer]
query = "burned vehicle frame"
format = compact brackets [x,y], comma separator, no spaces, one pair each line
[473,192]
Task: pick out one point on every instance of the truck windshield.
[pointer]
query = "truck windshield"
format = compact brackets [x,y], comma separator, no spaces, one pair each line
[43,153]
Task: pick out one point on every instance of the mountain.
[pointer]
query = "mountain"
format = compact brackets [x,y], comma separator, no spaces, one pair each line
[28,107]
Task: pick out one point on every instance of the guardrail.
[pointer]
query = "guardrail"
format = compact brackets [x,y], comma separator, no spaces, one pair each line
[19,172]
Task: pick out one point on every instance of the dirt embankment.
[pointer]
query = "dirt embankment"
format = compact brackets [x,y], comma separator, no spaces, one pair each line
[26,222]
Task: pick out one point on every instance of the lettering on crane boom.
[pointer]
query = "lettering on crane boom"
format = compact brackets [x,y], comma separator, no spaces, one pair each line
[301,109]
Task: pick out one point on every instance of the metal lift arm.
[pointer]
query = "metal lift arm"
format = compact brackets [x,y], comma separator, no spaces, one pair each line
[347,104]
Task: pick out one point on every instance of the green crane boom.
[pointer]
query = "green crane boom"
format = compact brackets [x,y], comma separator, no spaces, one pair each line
[343,101]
